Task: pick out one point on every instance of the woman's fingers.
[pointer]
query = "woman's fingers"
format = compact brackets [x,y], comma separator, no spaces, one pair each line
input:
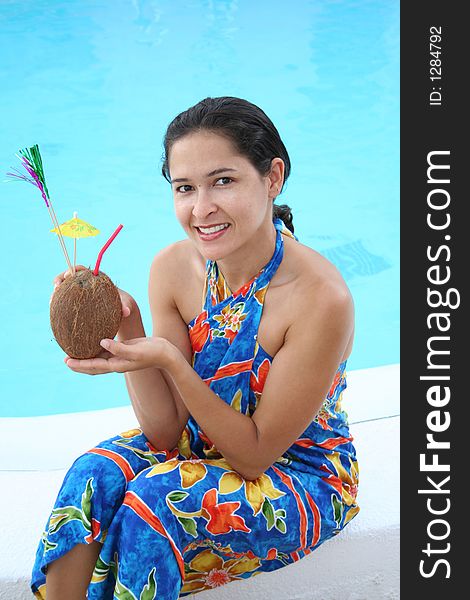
[125,302]
[61,277]
[93,366]
[129,355]
[98,366]
[103,354]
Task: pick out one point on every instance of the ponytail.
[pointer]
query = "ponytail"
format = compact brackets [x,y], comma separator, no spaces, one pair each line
[283,212]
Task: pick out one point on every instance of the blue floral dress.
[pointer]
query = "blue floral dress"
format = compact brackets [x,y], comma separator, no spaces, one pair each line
[180,521]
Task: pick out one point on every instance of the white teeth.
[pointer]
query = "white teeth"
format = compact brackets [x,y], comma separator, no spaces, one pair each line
[213,229]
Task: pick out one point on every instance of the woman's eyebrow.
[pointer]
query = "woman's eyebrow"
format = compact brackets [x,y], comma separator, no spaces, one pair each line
[211,174]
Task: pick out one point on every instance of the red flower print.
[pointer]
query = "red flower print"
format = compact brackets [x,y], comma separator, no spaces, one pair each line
[258,380]
[316,519]
[231,369]
[272,554]
[120,461]
[244,289]
[322,419]
[217,577]
[334,385]
[199,332]
[230,335]
[220,515]
[329,443]
[332,479]
[145,513]
[289,482]
[95,531]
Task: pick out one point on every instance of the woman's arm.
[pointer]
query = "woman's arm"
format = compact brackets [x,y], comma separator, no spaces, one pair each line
[157,404]
[165,278]
[149,393]
[303,370]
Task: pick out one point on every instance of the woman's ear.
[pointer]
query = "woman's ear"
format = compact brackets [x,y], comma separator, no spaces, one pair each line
[276,177]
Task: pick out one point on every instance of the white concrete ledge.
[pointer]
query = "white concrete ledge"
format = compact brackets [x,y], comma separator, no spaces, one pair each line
[362,563]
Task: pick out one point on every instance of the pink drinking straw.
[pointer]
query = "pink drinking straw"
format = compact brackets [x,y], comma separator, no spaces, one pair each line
[104,248]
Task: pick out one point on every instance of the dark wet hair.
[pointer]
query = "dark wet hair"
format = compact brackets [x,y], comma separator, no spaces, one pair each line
[245,125]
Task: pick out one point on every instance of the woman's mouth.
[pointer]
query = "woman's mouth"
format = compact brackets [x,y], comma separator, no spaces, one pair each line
[211,233]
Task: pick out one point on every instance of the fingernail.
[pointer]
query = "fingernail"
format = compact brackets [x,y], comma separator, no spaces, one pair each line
[105,343]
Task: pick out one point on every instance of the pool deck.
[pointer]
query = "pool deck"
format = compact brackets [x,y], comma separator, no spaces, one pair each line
[36,453]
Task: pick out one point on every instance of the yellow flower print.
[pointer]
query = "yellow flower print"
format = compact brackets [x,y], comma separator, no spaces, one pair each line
[236,400]
[349,481]
[222,463]
[260,294]
[183,445]
[217,285]
[41,593]
[163,467]
[231,317]
[208,570]
[255,491]
[191,471]
[131,433]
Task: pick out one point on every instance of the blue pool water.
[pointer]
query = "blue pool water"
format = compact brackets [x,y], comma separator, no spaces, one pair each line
[95,83]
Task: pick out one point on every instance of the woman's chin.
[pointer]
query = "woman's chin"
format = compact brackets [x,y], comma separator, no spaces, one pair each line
[213,249]
[212,254]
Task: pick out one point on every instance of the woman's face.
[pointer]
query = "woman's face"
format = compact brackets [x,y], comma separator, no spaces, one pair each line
[220,199]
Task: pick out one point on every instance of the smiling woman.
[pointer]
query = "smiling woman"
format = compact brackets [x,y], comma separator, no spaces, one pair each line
[243,461]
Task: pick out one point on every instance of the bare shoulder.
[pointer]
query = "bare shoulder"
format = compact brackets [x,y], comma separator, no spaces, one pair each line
[176,260]
[180,269]
[319,290]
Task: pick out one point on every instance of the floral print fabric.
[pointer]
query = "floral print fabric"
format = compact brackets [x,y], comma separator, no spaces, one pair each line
[177,522]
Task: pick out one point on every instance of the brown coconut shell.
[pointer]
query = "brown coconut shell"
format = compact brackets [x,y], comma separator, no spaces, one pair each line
[84,309]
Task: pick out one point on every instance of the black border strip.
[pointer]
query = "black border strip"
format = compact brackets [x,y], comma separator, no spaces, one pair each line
[434,251]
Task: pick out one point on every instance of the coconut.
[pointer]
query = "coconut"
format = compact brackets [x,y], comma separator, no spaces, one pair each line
[84,309]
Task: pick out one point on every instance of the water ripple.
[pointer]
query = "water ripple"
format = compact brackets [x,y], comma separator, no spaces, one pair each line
[354,260]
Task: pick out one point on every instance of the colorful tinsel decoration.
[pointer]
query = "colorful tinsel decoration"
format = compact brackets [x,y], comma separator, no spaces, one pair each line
[32,162]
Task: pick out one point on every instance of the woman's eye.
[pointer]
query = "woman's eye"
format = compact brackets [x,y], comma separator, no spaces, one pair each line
[178,189]
[229,178]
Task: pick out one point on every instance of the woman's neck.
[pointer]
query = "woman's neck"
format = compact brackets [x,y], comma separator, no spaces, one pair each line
[246,262]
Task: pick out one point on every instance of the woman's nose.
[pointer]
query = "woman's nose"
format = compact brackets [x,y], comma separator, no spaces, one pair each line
[203,205]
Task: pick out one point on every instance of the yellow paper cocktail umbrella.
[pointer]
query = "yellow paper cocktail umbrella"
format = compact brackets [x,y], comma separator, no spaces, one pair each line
[76,228]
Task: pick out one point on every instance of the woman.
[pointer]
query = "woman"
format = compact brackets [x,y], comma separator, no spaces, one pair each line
[243,461]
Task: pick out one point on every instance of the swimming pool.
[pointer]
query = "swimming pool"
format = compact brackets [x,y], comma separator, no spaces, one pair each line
[95,85]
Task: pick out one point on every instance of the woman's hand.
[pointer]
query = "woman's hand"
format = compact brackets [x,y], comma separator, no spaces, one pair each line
[126,299]
[129,355]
